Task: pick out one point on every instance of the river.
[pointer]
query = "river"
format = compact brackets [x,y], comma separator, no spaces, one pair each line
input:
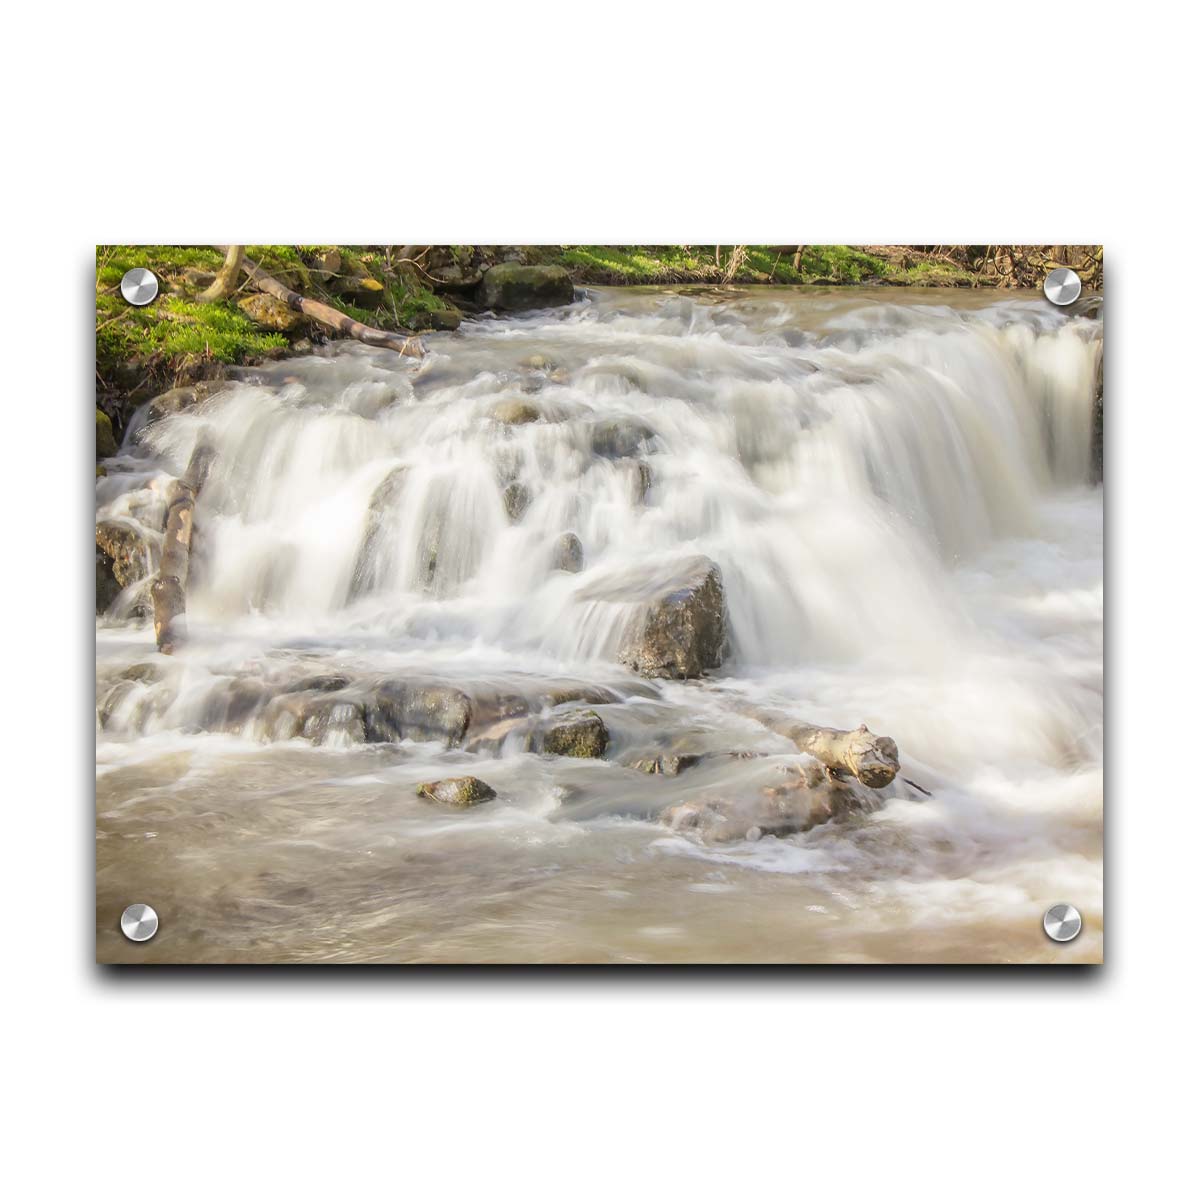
[896,485]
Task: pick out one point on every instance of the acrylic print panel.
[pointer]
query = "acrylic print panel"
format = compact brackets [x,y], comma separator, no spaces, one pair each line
[598,604]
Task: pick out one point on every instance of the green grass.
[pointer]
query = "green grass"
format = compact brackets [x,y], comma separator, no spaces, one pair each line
[158,339]
[761,264]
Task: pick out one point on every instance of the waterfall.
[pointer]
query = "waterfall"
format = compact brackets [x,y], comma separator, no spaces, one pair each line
[896,490]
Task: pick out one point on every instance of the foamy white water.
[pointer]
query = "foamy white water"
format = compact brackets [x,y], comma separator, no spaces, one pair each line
[896,487]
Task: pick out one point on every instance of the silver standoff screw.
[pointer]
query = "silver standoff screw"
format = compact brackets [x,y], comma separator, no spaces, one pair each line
[1062,286]
[139,286]
[1062,922]
[139,922]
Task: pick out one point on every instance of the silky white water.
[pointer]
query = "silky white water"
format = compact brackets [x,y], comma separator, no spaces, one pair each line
[896,486]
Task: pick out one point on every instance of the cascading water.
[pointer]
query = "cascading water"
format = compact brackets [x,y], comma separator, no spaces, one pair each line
[896,489]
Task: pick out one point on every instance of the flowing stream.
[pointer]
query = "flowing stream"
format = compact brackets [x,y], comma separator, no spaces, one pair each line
[896,487]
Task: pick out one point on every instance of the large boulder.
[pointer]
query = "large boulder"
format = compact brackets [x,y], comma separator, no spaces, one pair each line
[514,287]
[684,629]
[402,709]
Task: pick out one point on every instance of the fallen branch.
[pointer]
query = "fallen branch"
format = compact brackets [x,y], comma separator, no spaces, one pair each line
[871,759]
[168,591]
[330,317]
[225,282]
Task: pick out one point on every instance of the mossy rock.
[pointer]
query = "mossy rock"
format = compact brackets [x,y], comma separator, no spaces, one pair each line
[106,442]
[445,320]
[270,312]
[513,287]
[581,734]
[462,792]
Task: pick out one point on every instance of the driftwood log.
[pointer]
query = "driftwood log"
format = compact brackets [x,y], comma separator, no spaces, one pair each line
[168,591]
[327,315]
[871,759]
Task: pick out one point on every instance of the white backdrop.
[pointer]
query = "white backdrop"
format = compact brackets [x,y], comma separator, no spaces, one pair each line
[627,123]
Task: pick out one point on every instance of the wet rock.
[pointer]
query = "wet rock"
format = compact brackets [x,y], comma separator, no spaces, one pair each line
[178,399]
[144,672]
[643,480]
[538,362]
[666,764]
[516,501]
[577,693]
[113,701]
[620,438]
[106,443]
[492,739]
[122,558]
[806,798]
[422,712]
[514,287]
[514,412]
[370,565]
[320,683]
[231,707]
[302,346]
[462,792]
[568,554]
[330,718]
[270,312]
[580,734]
[683,634]
[107,587]
[445,320]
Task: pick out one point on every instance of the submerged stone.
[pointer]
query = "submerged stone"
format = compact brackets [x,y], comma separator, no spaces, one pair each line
[516,501]
[620,438]
[461,792]
[568,554]
[514,412]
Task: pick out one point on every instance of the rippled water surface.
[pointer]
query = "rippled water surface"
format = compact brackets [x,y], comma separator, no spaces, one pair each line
[897,488]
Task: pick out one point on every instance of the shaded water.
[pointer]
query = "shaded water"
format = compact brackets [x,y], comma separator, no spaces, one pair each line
[895,485]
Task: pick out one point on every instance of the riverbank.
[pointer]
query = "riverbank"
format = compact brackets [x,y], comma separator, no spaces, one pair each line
[182,338]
